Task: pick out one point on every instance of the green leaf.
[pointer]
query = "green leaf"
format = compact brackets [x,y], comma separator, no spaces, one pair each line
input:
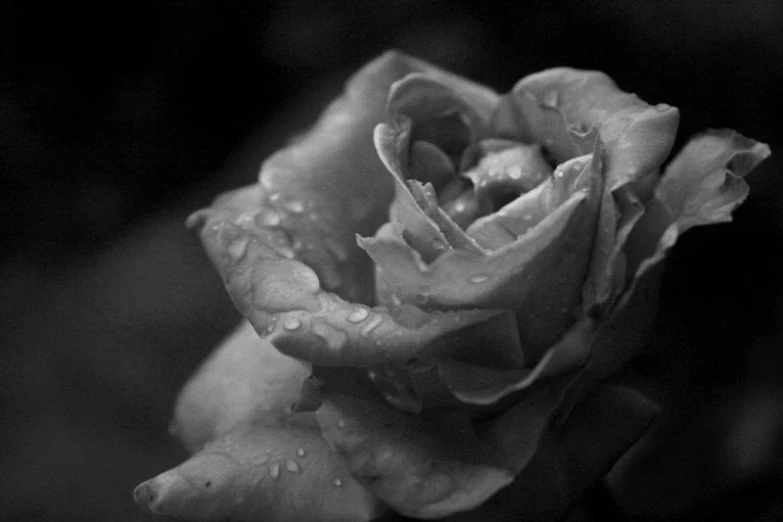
[424,466]
[274,468]
[245,374]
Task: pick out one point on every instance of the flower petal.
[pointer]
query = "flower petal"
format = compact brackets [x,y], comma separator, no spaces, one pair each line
[276,469]
[620,211]
[637,136]
[243,375]
[425,466]
[571,458]
[703,184]
[392,142]
[330,184]
[539,275]
[483,385]
[283,300]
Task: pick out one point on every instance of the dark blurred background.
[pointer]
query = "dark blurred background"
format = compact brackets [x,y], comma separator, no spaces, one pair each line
[117,120]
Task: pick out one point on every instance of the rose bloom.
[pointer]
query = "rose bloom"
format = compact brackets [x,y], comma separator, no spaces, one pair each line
[436,280]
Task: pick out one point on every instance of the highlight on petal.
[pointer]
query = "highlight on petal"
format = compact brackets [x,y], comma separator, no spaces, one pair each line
[278,469]
[425,466]
[637,136]
[244,375]
[703,184]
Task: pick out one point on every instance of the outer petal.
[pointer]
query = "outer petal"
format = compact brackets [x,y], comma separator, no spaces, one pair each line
[243,376]
[637,136]
[484,385]
[425,466]
[277,469]
[283,300]
[703,184]
[570,459]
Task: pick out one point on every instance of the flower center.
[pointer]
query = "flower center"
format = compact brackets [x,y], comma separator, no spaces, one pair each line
[503,171]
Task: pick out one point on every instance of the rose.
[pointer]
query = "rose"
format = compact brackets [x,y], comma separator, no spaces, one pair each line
[515,243]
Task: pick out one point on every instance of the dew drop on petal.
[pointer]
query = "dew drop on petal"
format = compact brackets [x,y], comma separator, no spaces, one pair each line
[337,482]
[291,466]
[268,218]
[292,323]
[371,325]
[476,279]
[237,248]
[334,337]
[358,315]
[294,206]
[274,470]
[300,452]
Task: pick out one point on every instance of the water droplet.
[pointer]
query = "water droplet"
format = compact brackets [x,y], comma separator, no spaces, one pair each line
[274,470]
[300,452]
[552,99]
[515,172]
[291,466]
[371,375]
[237,248]
[358,315]
[478,278]
[334,337]
[371,325]
[274,198]
[337,482]
[269,218]
[294,206]
[437,244]
[292,323]
[559,173]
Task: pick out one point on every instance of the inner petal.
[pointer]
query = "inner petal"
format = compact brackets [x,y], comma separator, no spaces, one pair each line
[504,174]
